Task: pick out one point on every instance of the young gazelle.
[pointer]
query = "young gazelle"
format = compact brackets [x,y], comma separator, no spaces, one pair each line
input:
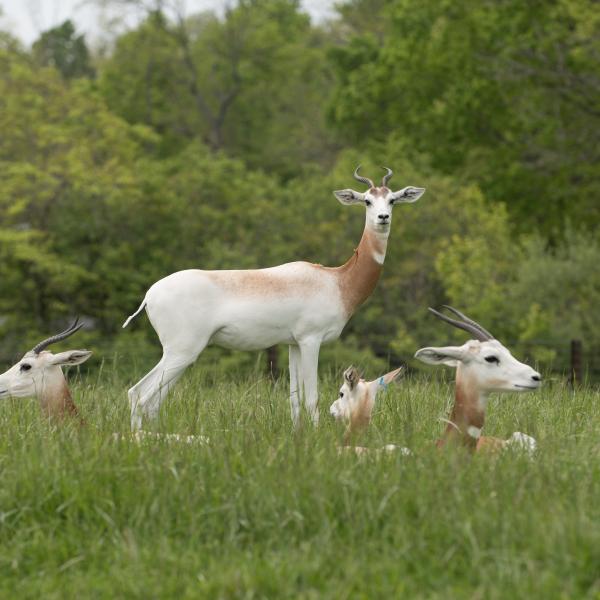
[355,404]
[39,374]
[483,365]
[356,399]
[300,304]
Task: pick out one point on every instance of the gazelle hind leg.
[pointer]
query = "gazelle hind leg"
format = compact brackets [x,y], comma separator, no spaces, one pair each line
[295,384]
[142,389]
[146,396]
[309,353]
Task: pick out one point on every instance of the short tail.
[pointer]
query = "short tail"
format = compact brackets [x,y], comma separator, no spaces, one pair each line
[136,313]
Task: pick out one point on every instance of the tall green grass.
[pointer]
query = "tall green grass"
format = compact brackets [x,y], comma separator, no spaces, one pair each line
[263,512]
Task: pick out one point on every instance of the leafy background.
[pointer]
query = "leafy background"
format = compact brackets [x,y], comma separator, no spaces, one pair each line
[216,141]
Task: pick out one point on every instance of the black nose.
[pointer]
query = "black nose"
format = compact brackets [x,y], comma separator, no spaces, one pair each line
[536,378]
[384,217]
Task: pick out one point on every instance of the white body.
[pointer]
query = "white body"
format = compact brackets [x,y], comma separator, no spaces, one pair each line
[246,310]
[299,304]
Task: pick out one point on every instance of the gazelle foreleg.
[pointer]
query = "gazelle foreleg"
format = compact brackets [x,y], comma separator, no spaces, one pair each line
[309,354]
[295,383]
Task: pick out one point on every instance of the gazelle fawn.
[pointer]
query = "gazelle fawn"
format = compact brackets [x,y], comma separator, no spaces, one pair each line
[354,406]
[356,399]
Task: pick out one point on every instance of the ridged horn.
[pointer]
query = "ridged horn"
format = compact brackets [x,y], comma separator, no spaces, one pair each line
[466,324]
[387,176]
[362,179]
[75,326]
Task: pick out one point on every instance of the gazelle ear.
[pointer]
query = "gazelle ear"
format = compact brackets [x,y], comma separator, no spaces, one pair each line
[351,377]
[449,355]
[408,194]
[70,357]
[349,197]
[391,376]
[385,380]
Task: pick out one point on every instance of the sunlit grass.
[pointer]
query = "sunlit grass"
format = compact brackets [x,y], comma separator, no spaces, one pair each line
[264,512]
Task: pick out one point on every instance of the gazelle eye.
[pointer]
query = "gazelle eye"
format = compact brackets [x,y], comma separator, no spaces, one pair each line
[25,367]
[368,202]
[492,359]
[341,394]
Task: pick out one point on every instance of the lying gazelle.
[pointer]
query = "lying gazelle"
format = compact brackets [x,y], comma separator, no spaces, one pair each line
[356,399]
[300,304]
[39,374]
[354,406]
[483,365]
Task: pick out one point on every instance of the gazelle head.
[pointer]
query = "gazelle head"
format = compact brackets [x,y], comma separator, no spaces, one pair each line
[379,201]
[357,397]
[39,372]
[483,364]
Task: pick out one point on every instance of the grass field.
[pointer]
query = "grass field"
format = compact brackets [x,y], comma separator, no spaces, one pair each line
[262,512]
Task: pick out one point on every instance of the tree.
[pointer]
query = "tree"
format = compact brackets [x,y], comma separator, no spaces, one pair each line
[252,84]
[502,93]
[62,49]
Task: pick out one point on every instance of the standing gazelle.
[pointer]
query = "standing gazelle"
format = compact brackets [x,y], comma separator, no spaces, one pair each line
[483,365]
[300,304]
[39,374]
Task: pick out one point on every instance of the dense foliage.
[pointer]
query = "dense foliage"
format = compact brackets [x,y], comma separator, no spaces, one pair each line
[215,142]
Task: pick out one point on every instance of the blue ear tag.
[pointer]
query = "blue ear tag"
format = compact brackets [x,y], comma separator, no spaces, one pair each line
[382,383]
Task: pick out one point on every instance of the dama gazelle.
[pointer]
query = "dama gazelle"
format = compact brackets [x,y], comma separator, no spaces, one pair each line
[300,304]
[39,374]
[355,404]
[356,399]
[483,365]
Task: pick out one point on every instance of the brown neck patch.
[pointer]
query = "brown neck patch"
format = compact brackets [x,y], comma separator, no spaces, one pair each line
[466,412]
[360,416]
[358,277]
[57,402]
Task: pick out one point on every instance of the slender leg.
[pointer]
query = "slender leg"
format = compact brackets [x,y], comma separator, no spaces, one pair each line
[295,384]
[172,372]
[146,396]
[309,352]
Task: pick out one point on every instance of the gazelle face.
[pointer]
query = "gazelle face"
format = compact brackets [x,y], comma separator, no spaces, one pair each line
[356,393]
[36,372]
[488,365]
[379,202]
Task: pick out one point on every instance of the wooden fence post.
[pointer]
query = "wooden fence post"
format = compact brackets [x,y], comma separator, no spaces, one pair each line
[576,362]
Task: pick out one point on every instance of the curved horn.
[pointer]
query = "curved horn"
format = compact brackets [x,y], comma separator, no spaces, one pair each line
[362,179]
[467,324]
[75,326]
[470,321]
[387,176]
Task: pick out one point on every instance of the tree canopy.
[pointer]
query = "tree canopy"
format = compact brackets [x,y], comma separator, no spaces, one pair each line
[215,142]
